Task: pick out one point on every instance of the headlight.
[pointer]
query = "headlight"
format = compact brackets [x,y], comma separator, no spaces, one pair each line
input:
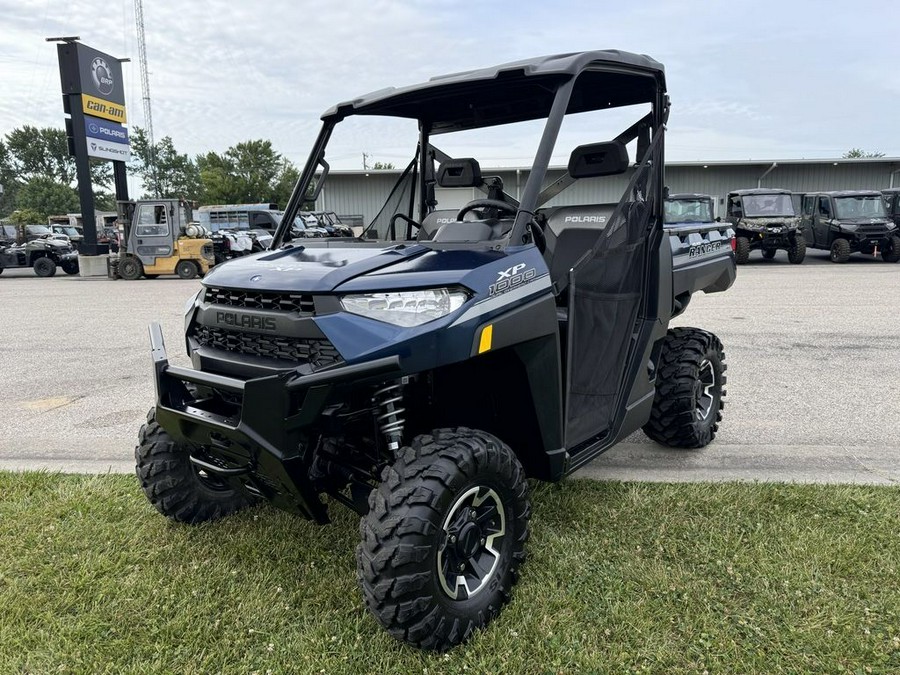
[890,226]
[189,305]
[406,308]
[850,227]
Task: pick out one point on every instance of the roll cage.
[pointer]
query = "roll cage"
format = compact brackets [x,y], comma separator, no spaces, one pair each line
[547,87]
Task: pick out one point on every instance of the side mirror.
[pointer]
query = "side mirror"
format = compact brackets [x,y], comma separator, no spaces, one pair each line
[598,159]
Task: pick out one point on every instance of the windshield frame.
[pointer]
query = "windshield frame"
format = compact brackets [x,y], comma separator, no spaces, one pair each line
[840,216]
[706,201]
[784,197]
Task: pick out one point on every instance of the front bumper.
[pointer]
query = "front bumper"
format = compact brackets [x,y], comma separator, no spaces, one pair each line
[775,237]
[253,432]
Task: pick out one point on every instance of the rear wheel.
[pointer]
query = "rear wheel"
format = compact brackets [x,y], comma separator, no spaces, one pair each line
[444,538]
[44,267]
[70,267]
[186,269]
[690,389]
[130,269]
[840,251]
[892,252]
[175,486]
[742,250]
[797,249]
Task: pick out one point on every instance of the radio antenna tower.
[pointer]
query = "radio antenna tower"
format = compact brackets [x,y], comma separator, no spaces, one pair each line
[145,86]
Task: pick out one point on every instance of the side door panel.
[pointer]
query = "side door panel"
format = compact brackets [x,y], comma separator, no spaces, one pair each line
[151,236]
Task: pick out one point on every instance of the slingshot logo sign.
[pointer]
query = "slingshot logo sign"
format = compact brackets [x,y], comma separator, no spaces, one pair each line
[512,277]
[102,76]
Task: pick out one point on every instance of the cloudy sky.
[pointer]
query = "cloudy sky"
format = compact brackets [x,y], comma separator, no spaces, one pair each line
[760,79]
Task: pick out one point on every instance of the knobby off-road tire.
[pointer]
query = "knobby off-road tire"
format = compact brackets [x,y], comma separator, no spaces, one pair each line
[742,250]
[444,539]
[840,251]
[70,268]
[130,268]
[44,267]
[892,255]
[175,486]
[769,253]
[797,250]
[690,389]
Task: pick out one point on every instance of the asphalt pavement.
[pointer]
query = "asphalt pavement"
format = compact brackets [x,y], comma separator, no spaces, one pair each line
[812,352]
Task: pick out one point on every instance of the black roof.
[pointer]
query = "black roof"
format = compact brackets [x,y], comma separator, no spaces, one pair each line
[761,191]
[847,193]
[516,91]
[890,191]
[688,195]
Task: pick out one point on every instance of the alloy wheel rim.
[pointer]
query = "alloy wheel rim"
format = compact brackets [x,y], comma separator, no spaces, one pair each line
[469,543]
[706,395]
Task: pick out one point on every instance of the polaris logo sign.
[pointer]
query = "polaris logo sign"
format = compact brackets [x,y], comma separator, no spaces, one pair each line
[600,220]
[246,321]
[106,131]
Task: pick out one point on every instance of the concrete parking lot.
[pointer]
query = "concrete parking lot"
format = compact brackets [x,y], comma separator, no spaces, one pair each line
[813,374]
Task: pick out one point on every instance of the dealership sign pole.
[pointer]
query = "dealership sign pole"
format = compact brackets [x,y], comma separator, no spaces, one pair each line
[94,99]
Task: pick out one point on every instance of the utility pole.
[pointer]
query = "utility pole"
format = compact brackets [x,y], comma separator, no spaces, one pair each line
[145,86]
[365,158]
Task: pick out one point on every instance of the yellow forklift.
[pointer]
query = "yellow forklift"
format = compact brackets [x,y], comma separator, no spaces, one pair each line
[157,236]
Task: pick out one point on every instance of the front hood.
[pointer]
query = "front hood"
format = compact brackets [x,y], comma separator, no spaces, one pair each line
[864,221]
[307,269]
[771,220]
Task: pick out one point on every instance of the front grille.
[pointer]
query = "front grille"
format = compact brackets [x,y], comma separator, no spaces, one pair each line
[872,229]
[284,302]
[318,352]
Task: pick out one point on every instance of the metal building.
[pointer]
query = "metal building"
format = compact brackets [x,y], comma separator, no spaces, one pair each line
[360,194]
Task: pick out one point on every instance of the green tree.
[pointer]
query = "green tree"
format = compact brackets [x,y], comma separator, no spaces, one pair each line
[26,217]
[8,181]
[47,197]
[43,152]
[251,171]
[857,153]
[382,165]
[165,173]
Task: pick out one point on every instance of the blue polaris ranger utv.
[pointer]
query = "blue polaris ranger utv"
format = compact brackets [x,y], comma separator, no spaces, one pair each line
[479,332]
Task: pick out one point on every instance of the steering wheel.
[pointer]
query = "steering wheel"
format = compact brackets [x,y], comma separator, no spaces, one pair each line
[486,204]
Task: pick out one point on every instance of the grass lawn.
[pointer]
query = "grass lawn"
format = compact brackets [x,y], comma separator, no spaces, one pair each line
[621,577]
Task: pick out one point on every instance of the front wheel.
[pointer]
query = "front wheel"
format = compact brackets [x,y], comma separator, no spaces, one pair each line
[797,250]
[444,538]
[130,269]
[840,251]
[690,389]
[44,267]
[891,254]
[742,250]
[70,268]
[175,486]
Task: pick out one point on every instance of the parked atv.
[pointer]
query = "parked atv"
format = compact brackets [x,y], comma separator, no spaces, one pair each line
[20,248]
[850,221]
[764,219]
[420,373]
